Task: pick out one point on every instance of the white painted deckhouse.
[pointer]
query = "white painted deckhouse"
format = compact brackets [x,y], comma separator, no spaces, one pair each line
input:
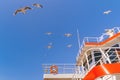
[98,59]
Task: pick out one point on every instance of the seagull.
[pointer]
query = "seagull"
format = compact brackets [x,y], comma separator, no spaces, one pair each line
[37,5]
[109,32]
[69,45]
[23,10]
[48,33]
[68,34]
[107,12]
[49,46]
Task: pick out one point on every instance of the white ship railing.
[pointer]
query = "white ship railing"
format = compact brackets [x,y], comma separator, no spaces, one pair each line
[62,68]
[96,39]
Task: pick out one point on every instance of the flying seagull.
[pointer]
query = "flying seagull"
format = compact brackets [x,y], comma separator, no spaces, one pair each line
[68,34]
[109,32]
[37,5]
[49,46]
[107,12]
[69,45]
[48,33]
[23,10]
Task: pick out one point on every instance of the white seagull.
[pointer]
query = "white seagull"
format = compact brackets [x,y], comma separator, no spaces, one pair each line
[107,12]
[37,5]
[49,46]
[109,32]
[48,33]
[68,34]
[69,45]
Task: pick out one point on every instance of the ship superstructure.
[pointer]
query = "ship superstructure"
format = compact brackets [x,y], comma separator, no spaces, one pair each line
[98,59]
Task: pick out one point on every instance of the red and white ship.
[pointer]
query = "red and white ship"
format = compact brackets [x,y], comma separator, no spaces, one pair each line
[98,59]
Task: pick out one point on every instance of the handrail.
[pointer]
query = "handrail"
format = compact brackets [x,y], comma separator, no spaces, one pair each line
[95,39]
[62,68]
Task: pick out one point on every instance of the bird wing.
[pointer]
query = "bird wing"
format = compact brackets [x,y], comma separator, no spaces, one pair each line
[41,6]
[27,8]
[107,12]
[18,10]
[34,4]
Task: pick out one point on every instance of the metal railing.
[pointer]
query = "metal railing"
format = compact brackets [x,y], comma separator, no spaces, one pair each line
[62,68]
[114,57]
[103,59]
[96,39]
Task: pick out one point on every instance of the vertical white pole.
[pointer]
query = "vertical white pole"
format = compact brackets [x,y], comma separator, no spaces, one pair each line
[78,38]
[87,61]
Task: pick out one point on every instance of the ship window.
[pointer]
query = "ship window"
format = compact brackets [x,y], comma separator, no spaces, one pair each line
[113,56]
[97,56]
[90,59]
[85,65]
[116,45]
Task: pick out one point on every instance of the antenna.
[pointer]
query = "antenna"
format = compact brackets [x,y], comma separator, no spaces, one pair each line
[78,38]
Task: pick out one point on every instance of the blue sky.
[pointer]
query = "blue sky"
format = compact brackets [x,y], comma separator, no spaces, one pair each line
[23,41]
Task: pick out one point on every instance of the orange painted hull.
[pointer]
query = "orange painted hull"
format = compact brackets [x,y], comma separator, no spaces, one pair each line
[102,70]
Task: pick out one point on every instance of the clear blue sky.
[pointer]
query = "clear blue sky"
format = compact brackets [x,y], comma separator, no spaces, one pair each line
[23,42]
